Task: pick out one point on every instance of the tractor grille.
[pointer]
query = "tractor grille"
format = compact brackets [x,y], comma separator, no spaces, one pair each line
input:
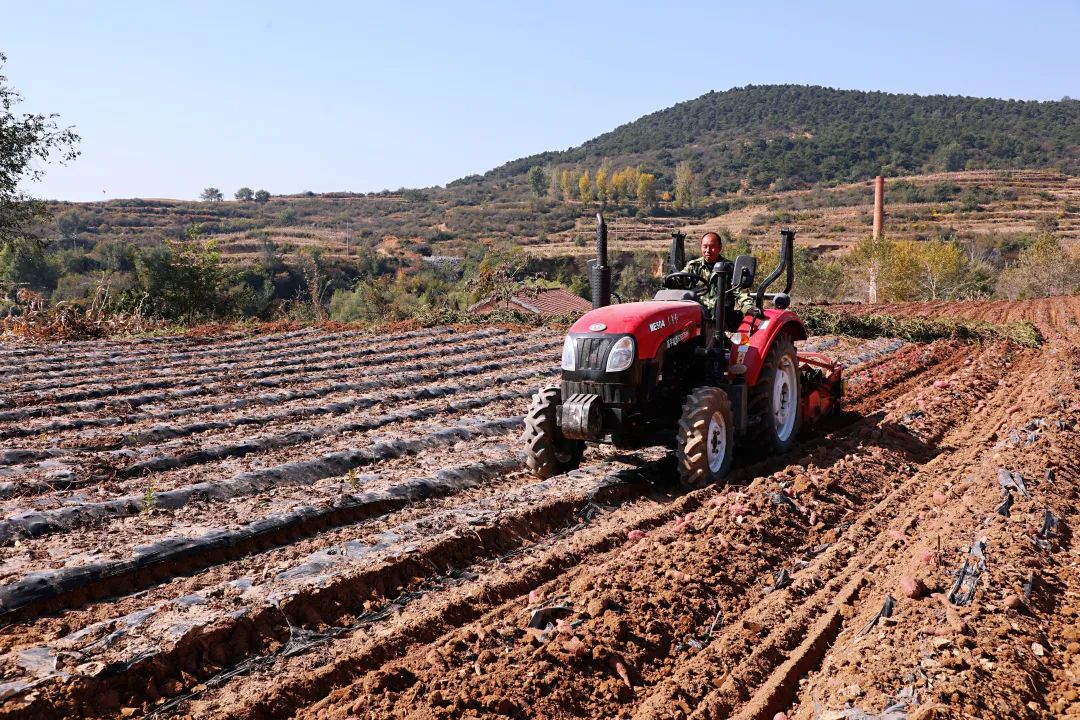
[592,352]
[611,394]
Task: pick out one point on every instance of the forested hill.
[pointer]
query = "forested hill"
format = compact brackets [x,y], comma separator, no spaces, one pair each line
[789,136]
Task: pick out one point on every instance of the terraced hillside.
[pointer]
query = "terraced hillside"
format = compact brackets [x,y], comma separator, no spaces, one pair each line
[1003,201]
[337,524]
[978,203]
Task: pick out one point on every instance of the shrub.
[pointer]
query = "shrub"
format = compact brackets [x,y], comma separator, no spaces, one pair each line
[1045,268]
[820,321]
[184,281]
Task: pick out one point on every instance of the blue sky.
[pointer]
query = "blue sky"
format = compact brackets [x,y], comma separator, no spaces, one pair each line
[171,97]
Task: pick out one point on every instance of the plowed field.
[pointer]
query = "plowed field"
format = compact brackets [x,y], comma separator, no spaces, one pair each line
[337,524]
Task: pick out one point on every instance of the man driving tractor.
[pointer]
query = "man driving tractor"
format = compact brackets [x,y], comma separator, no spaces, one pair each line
[711,245]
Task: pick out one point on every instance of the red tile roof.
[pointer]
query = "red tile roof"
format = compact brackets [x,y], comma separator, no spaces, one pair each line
[546,302]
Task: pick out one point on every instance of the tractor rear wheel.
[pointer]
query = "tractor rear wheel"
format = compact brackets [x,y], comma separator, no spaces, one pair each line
[775,404]
[549,453]
[705,439]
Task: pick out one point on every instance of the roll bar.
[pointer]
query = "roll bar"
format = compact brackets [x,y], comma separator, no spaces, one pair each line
[787,262]
[677,261]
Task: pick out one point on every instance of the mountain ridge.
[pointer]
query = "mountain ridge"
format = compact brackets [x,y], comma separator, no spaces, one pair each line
[757,136]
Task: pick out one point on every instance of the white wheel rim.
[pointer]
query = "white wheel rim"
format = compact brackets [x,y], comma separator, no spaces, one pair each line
[716,442]
[784,399]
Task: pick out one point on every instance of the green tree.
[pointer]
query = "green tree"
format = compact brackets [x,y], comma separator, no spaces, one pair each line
[537,181]
[684,186]
[193,231]
[637,277]
[70,224]
[950,157]
[818,278]
[114,256]
[261,196]
[316,281]
[244,194]
[211,194]
[23,263]
[24,141]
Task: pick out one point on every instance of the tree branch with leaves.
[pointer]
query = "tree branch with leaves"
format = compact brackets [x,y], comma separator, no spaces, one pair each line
[25,139]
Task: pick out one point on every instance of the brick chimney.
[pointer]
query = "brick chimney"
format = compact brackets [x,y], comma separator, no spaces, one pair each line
[879,205]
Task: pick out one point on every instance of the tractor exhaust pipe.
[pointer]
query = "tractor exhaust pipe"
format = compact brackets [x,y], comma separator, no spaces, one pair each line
[787,254]
[600,273]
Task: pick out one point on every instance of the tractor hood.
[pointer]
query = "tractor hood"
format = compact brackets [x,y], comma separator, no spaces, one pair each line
[651,322]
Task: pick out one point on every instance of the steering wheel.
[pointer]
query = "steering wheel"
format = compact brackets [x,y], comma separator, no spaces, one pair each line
[684,281]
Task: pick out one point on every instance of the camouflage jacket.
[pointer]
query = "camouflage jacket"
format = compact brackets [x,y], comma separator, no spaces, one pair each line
[744,300]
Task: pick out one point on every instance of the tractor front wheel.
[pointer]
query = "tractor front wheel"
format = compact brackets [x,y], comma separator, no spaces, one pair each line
[706,438]
[549,453]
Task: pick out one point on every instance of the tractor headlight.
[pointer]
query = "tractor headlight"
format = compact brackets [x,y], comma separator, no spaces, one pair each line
[569,358]
[621,355]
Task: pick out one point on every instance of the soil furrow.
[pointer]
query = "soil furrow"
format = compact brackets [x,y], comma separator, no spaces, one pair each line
[49,591]
[534,510]
[38,524]
[398,376]
[265,365]
[105,357]
[200,384]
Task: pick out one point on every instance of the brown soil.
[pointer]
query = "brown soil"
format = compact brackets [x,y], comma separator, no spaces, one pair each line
[386,553]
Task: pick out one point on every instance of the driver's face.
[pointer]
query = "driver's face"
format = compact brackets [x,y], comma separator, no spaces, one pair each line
[710,248]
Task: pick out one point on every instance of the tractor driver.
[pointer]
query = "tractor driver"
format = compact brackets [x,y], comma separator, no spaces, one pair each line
[711,245]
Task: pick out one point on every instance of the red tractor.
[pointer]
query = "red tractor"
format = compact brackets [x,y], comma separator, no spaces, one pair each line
[667,371]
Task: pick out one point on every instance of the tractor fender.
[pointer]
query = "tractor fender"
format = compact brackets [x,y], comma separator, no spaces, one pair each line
[763,332]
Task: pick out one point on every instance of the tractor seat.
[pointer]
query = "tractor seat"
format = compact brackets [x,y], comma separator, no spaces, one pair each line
[667,294]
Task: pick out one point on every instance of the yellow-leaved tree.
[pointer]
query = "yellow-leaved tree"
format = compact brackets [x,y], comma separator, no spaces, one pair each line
[895,271]
[630,174]
[585,188]
[942,270]
[646,191]
[616,187]
[871,260]
[602,180]
[1044,268]
[566,182]
[684,186]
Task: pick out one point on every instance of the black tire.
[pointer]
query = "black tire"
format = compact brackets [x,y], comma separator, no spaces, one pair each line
[775,433]
[706,422]
[549,453]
